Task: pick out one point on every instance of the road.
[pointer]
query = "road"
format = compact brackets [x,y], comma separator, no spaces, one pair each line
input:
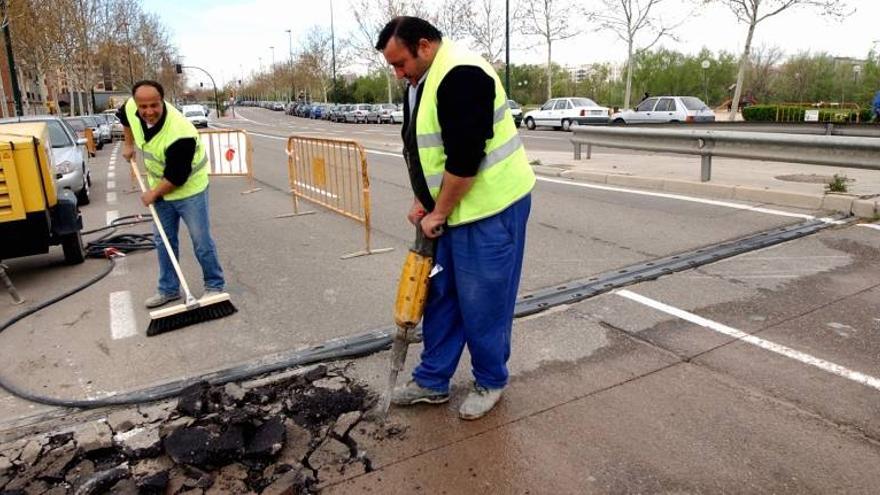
[759,370]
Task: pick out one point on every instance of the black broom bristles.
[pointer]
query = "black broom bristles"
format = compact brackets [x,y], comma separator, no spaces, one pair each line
[189,317]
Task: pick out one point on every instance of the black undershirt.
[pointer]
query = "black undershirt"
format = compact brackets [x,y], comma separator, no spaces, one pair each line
[466,111]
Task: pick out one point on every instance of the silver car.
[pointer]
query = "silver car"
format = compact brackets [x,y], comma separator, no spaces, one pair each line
[659,109]
[68,154]
[103,134]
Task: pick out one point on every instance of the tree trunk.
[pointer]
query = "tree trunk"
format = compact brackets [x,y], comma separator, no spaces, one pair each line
[743,61]
[549,69]
[388,77]
[629,75]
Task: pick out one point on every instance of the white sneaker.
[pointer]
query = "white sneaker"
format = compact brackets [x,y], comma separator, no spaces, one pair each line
[479,402]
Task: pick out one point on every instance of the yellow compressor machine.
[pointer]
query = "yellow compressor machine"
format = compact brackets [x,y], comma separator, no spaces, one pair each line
[34,213]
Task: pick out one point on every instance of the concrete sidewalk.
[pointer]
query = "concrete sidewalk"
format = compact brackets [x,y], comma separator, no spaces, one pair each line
[784,184]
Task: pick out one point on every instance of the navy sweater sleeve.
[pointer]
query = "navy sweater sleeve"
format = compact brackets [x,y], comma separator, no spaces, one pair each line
[465,109]
[178,160]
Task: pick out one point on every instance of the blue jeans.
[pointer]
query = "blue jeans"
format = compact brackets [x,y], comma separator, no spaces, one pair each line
[194,212]
[472,300]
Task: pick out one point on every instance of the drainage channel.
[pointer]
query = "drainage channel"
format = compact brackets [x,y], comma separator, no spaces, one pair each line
[378,340]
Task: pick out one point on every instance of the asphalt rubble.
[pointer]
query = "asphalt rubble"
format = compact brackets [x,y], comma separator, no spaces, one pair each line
[288,433]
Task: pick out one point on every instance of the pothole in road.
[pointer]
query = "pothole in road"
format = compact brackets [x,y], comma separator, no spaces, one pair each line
[287,433]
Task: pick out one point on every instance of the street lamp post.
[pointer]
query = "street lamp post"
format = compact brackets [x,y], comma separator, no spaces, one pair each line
[130,70]
[333,49]
[290,62]
[705,65]
[272,72]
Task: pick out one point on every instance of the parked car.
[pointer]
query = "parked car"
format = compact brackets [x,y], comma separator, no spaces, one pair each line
[358,113]
[79,125]
[104,134]
[317,111]
[659,109]
[561,113]
[278,106]
[516,111]
[68,154]
[397,116]
[383,112]
[116,129]
[197,117]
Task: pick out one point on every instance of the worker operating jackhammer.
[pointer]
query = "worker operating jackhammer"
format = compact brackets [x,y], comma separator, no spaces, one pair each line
[472,183]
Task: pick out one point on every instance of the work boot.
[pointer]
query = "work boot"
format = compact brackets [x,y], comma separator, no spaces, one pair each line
[413,393]
[212,292]
[157,300]
[479,402]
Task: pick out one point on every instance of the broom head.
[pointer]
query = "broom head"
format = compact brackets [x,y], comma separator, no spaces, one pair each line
[207,308]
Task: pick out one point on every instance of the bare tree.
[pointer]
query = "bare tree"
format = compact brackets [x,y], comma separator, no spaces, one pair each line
[551,21]
[752,12]
[762,71]
[371,16]
[486,29]
[632,21]
[453,18]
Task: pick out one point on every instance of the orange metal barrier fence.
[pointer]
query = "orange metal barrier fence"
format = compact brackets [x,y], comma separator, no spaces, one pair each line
[333,174]
[91,147]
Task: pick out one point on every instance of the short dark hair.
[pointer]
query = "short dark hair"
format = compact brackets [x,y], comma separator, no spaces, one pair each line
[409,30]
[148,82]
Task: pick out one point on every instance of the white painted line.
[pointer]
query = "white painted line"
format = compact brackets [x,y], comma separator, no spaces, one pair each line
[782,350]
[122,315]
[111,198]
[112,215]
[121,268]
[111,175]
[385,153]
[870,225]
[111,184]
[316,190]
[679,197]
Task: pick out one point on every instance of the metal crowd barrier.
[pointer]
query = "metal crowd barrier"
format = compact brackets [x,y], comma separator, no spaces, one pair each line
[838,151]
[91,147]
[333,174]
[230,154]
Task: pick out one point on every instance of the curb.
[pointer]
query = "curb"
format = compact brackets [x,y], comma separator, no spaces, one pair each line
[832,202]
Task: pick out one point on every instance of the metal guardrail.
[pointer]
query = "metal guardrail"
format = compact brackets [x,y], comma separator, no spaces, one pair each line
[811,128]
[839,151]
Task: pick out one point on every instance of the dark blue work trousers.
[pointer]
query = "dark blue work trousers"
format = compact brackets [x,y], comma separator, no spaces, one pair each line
[471,300]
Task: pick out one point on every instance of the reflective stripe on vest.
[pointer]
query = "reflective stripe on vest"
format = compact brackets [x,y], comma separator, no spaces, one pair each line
[504,175]
[175,127]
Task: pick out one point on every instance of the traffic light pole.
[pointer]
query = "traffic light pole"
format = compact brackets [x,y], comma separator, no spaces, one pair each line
[13,74]
[179,69]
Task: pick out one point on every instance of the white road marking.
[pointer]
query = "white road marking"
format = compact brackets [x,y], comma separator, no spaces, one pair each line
[870,225]
[384,153]
[782,350]
[122,315]
[111,175]
[316,190]
[111,184]
[112,215]
[111,198]
[725,204]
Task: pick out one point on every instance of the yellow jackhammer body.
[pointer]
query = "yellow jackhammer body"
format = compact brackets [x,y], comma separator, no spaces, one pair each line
[412,292]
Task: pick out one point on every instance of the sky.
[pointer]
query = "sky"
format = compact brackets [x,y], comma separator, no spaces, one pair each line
[232,38]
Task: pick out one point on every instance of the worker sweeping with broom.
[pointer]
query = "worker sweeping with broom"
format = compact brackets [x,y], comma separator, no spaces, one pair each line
[472,183]
[177,173]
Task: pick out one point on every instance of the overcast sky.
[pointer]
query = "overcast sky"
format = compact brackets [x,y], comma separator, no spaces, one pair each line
[228,37]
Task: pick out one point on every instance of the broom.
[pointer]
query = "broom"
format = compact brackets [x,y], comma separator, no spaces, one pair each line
[193,310]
